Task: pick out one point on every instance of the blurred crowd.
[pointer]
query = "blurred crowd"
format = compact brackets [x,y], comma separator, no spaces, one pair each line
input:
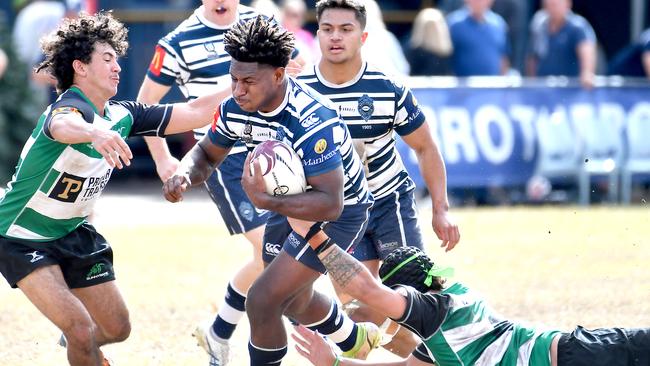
[455,38]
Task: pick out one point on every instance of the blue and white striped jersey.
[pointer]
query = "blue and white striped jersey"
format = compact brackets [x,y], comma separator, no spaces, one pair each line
[305,121]
[193,56]
[373,107]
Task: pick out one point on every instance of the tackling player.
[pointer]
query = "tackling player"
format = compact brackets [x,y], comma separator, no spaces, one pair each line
[47,248]
[455,325]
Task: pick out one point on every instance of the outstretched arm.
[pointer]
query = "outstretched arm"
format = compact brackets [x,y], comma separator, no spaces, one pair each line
[353,277]
[152,92]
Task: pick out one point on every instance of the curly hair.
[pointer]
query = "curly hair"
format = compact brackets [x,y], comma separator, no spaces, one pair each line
[356,6]
[75,39]
[409,266]
[259,40]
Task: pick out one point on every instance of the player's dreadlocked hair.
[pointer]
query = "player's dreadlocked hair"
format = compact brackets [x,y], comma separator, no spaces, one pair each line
[411,267]
[259,40]
[75,39]
[356,6]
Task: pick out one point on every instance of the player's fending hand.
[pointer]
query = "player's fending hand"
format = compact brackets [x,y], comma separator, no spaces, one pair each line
[174,187]
[446,230]
[112,147]
[253,183]
[166,167]
[313,347]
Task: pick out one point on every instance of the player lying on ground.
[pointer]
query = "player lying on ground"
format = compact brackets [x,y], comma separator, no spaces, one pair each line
[455,324]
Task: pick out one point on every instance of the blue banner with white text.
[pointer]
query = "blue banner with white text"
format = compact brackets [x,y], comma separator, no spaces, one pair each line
[488,136]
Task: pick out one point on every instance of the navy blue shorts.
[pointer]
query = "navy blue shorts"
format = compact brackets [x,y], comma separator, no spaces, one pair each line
[224,187]
[346,231]
[393,223]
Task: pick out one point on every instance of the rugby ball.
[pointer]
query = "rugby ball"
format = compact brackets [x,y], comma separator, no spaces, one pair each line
[281,168]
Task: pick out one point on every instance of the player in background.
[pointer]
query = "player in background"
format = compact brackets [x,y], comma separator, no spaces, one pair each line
[375,107]
[268,105]
[192,56]
[47,247]
[456,326]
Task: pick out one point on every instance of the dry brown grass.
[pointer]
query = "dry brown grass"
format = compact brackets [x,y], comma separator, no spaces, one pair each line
[554,266]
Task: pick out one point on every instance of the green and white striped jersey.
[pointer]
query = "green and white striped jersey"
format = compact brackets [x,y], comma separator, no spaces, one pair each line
[56,185]
[457,327]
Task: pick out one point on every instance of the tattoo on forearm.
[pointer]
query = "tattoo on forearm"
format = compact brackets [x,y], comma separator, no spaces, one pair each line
[341,266]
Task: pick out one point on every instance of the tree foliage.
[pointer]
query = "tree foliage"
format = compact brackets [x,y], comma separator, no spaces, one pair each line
[18,107]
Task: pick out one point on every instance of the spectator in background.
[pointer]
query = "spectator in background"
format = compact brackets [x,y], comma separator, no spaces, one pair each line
[35,20]
[514,13]
[634,59]
[4,62]
[479,38]
[267,8]
[429,47]
[293,18]
[645,56]
[562,43]
[382,48]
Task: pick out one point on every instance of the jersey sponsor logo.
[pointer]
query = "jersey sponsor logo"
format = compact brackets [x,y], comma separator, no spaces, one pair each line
[96,186]
[157,60]
[320,146]
[366,107]
[319,160]
[272,249]
[67,188]
[310,121]
[63,110]
[415,114]
[293,241]
[35,256]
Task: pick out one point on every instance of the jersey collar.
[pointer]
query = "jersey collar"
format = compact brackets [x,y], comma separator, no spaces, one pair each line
[353,81]
[199,14]
[282,105]
[85,98]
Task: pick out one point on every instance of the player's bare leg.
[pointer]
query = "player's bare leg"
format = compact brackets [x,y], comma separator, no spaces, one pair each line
[248,273]
[107,308]
[47,290]
[271,294]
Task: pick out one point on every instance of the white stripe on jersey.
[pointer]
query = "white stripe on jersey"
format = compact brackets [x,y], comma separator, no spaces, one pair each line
[373,132]
[16,231]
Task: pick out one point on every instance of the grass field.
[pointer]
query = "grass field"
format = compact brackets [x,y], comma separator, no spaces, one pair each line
[554,266]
